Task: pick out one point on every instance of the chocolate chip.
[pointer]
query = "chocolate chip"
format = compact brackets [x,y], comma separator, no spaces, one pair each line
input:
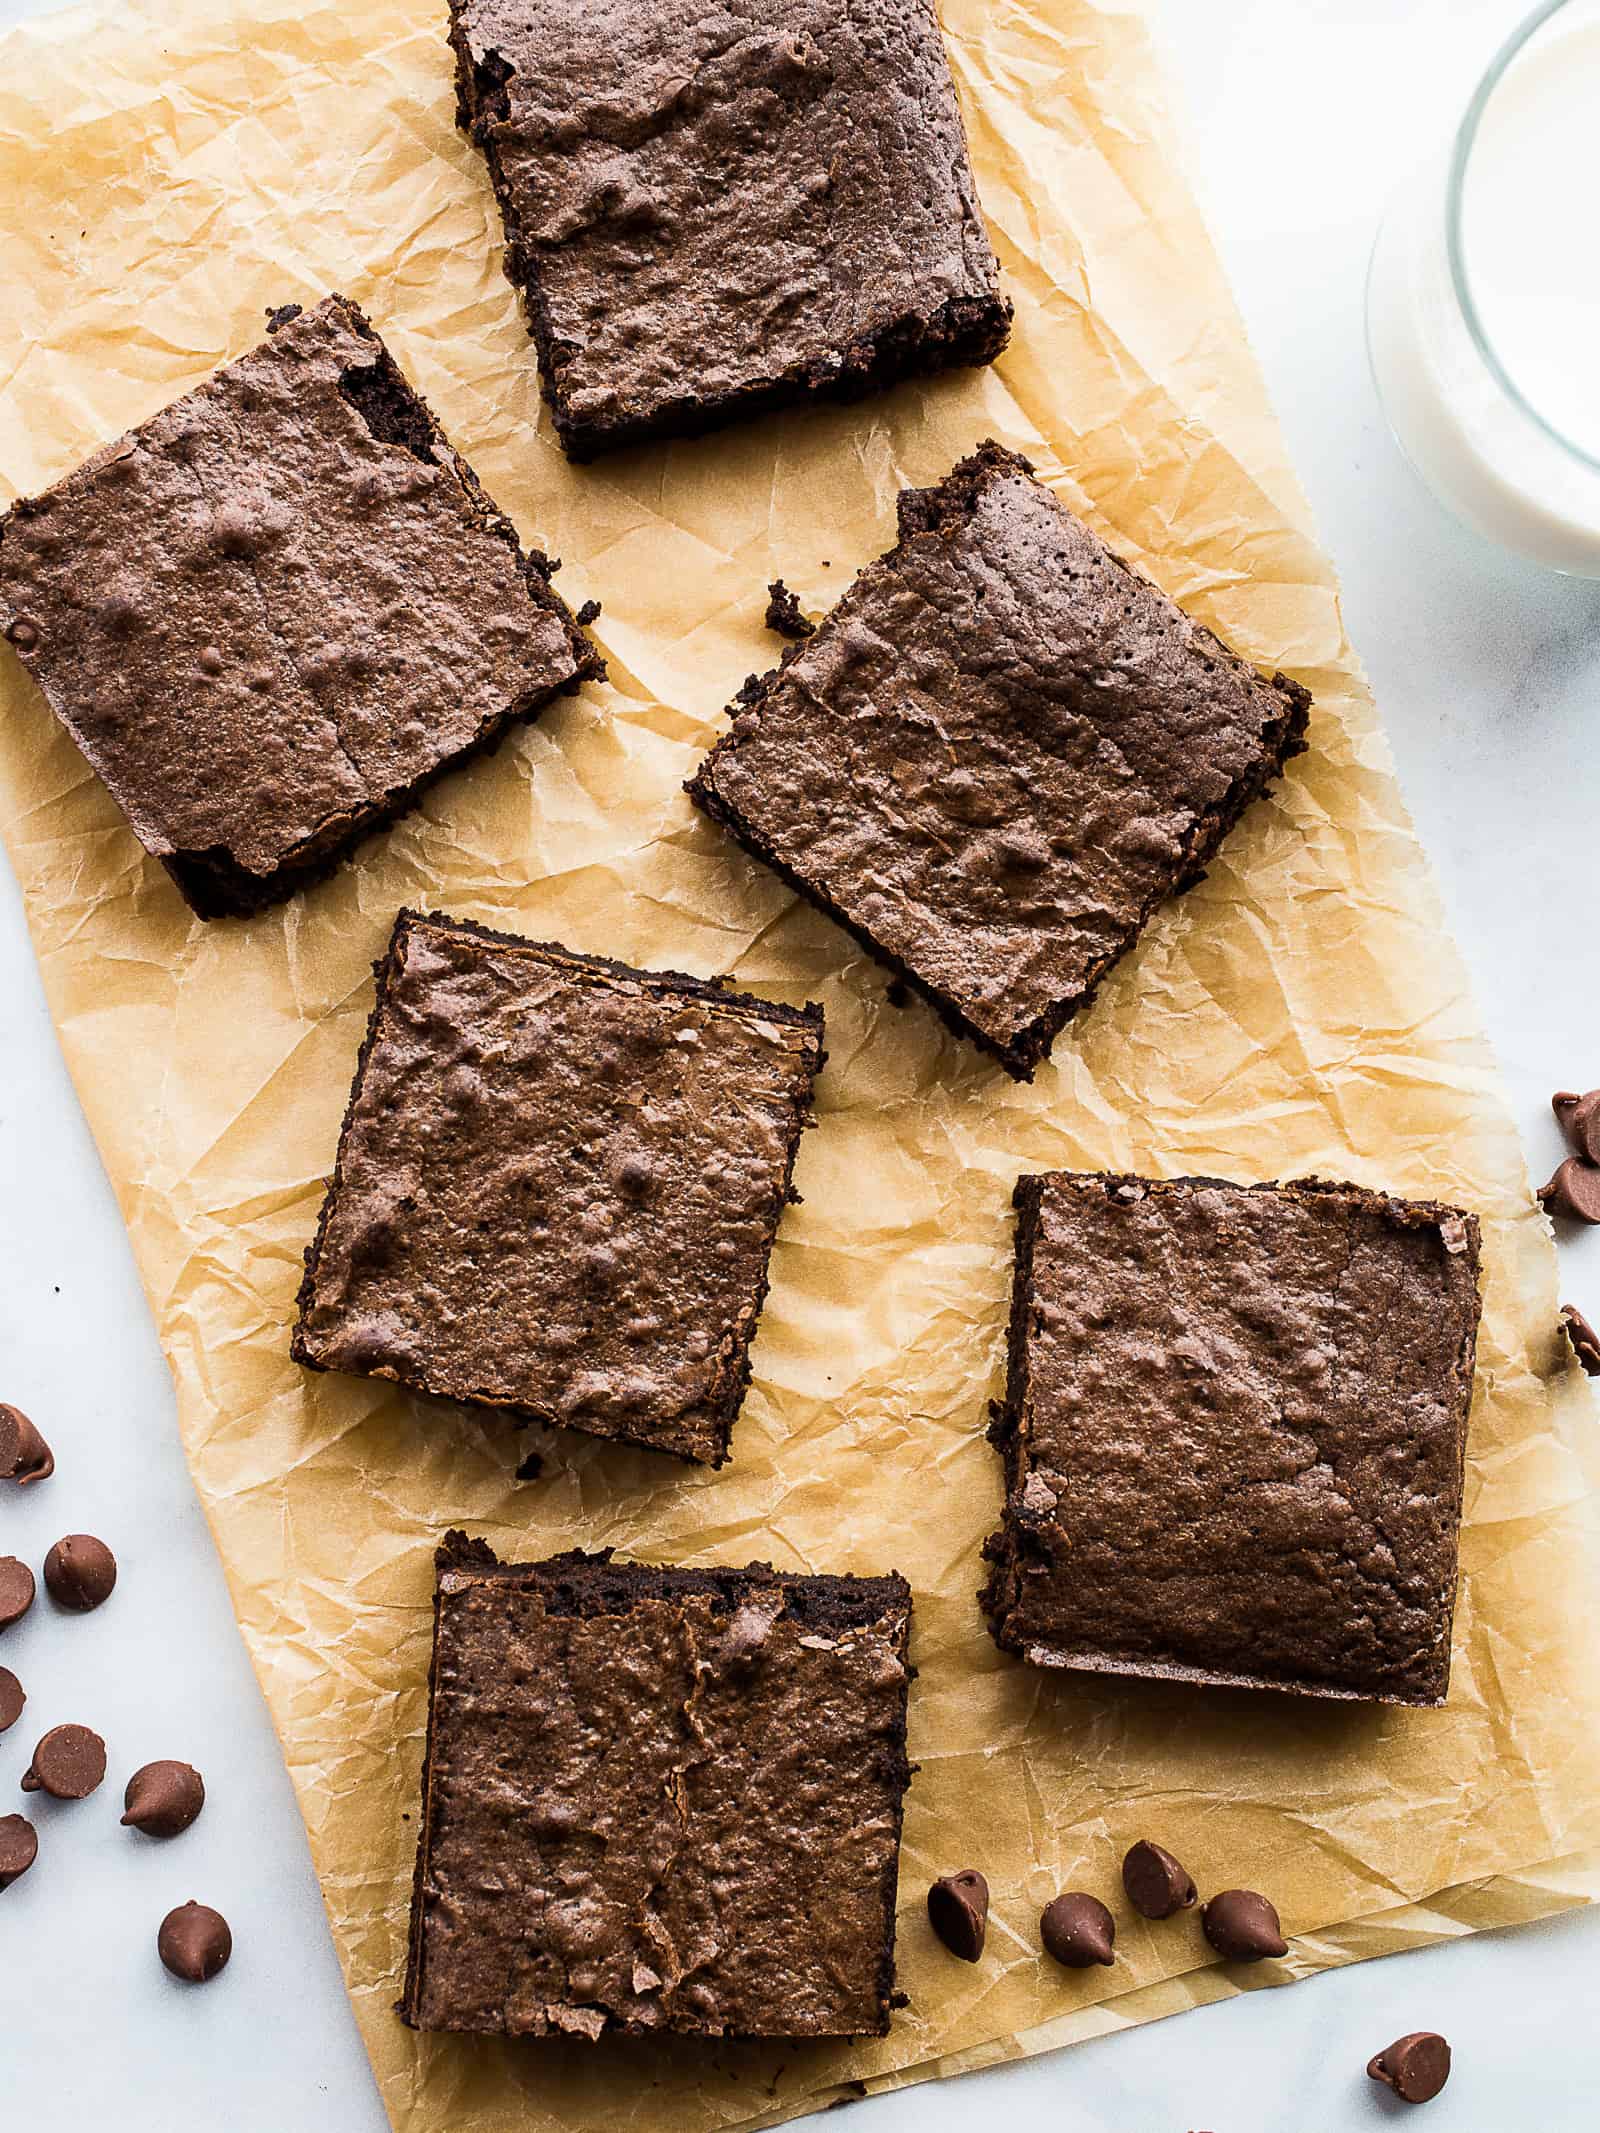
[19,1847]
[24,1455]
[1157,1884]
[162,1799]
[1585,1341]
[80,1573]
[1416,2067]
[12,1698]
[1078,1930]
[1243,1926]
[16,1590]
[69,1763]
[1579,1119]
[194,1942]
[1574,1191]
[958,1911]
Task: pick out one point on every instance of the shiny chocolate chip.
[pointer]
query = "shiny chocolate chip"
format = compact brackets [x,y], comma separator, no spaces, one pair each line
[24,1455]
[162,1799]
[1585,1341]
[1416,2066]
[958,1911]
[19,1847]
[69,1763]
[1579,1119]
[1157,1884]
[1574,1191]
[1078,1930]
[16,1590]
[194,1942]
[1243,1926]
[80,1573]
[12,1698]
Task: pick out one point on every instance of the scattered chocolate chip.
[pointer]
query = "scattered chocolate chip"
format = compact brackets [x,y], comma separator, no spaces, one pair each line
[162,1799]
[194,1942]
[1585,1341]
[1416,2067]
[1078,1930]
[1579,1119]
[12,1697]
[69,1763]
[1574,1191]
[24,1455]
[1157,1884]
[19,1847]
[1243,1926]
[16,1590]
[958,1911]
[80,1573]
[783,613]
[589,612]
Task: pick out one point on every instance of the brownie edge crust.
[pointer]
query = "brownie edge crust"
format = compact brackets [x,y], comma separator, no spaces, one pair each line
[658,1800]
[1234,1434]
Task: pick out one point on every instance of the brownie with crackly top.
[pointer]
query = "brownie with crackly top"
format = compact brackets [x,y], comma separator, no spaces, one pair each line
[1234,1433]
[998,755]
[659,1800]
[713,207]
[278,610]
[558,1186]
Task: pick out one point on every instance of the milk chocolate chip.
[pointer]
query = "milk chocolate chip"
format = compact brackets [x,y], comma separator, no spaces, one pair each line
[1585,1341]
[1416,2067]
[16,1590]
[194,1942]
[69,1762]
[12,1698]
[1574,1191]
[80,1573]
[19,1847]
[1579,1119]
[958,1911]
[24,1455]
[1078,1930]
[1157,1884]
[1243,1926]
[162,1799]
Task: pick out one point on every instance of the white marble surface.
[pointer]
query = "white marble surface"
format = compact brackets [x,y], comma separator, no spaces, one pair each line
[1299,112]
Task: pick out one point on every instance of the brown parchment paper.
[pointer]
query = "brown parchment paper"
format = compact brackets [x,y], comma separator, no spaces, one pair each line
[169,173]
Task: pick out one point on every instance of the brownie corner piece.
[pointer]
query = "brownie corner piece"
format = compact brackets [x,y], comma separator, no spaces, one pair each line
[709,212]
[279,609]
[558,1186]
[1234,1434]
[997,756]
[659,1800]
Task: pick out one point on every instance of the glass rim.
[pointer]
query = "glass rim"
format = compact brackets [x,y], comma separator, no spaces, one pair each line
[1455,206]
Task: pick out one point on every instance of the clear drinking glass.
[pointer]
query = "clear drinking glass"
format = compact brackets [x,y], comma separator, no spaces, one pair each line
[1483,302]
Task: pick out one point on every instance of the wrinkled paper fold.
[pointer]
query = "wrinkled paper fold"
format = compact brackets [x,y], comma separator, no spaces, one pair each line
[172,171]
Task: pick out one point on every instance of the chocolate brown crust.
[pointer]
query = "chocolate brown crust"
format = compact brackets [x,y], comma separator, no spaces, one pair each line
[709,1443]
[579,1585]
[656,156]
[1277,710]
[283,462]
[1025,1600]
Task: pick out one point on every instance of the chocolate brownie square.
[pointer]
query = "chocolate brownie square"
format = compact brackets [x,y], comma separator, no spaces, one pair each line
[275,612]
[558,1186]
[997,756]
[717,206]
[659,1800]
[1234,1432]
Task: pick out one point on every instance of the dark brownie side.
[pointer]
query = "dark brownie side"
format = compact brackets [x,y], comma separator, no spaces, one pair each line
[277,611]
[997,756]
[1234,1434]
[714,207]
[558,1185]
[658,1800]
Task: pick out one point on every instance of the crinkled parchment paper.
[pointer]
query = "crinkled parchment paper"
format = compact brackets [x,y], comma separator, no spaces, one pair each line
[165,178]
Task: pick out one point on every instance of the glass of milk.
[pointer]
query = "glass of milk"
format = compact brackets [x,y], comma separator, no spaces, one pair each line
[1483,304]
